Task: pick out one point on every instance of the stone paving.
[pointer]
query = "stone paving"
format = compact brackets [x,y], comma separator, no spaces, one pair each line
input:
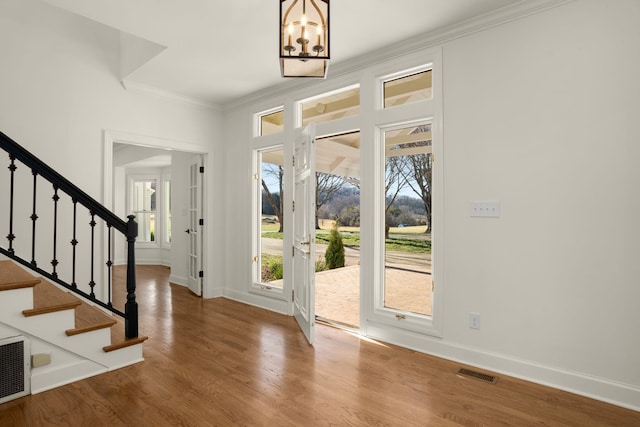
[338,292]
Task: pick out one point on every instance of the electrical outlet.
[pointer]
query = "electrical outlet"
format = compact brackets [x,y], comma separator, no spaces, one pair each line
[474,320]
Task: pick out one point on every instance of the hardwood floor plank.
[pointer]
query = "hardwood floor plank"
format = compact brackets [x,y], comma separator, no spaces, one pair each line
[222,363]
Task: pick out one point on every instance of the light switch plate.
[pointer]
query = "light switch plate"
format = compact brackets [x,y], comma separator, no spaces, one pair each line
[484,208]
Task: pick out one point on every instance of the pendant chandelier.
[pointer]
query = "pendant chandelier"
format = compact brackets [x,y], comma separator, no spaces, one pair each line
[304,38]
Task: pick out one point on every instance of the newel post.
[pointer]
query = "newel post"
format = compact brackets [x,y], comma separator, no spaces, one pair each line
[131,306]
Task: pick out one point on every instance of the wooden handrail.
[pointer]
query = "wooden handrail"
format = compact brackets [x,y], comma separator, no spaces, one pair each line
[128,228]
[45,171]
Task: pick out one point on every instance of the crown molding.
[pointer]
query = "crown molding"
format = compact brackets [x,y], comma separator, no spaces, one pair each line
[167,95]
[519,10]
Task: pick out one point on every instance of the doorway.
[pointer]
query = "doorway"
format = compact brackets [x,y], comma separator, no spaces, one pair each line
[337,290]
[127,155]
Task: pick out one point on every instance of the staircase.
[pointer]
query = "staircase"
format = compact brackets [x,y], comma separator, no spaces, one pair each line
[68,239]
[81,340]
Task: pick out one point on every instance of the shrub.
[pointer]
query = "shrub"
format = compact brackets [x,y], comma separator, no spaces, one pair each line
[321,265]
[271,268]
[334,256]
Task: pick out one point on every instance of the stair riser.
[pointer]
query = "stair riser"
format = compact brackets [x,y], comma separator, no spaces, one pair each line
[48,325]
[15,300]
[73,358]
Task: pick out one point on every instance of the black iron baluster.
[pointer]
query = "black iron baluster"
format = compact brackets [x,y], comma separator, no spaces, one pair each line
[92,283]
[74,243]
[109,265]
[11,236]
[34,218]
[54,261]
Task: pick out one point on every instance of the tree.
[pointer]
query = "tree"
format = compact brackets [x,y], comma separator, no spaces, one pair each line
[394,182]
[334,255]
[326,186]
[276,171]
[417,172]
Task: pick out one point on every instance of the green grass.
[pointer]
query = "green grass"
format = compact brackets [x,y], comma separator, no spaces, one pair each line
[352,239]
[272,267]
[272,234]
[348,238]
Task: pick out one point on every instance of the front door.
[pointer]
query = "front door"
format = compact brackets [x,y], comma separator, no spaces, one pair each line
[195,225]
[304,205]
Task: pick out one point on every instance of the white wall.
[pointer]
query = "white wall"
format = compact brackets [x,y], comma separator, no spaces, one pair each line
[60,93]
[539,113]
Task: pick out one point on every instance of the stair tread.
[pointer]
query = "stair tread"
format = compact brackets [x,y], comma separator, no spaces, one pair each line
[118,338]
[48,298]
[88,318]
[14,277]
[123,344]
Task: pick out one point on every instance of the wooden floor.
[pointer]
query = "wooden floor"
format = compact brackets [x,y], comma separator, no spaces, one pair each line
[219,362]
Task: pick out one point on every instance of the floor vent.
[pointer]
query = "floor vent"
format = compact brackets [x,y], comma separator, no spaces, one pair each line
[15,368]
[491,379]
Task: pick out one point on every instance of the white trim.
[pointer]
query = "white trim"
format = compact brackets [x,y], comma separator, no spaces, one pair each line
[62,375]
[257,286]
[113,136]
[382,119]
[613,392]
[260,301]
[167,95]
[407,47]
[178,280]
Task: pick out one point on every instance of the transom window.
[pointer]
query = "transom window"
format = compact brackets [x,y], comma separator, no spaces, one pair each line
[271,122]
[331,106]
[407,89]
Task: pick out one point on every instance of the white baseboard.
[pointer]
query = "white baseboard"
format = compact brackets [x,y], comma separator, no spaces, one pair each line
[616,393]
[213,293]
[279,306]
[152,261]
[63,375]
[178,280]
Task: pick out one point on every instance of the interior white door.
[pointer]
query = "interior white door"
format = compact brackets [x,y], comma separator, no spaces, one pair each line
[304,199]
[195,225]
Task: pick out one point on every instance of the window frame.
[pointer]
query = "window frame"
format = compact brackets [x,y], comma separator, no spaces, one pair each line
[132,179]
[394,117]
[256,208]
[257,121]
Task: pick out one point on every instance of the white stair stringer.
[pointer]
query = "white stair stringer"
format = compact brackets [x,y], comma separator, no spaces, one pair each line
[82,354]
[65,367]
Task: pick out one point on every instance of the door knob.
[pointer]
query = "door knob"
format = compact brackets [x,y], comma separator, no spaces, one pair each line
[186,231]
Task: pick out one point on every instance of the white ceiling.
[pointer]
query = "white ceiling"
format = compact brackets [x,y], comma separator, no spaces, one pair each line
[217,51]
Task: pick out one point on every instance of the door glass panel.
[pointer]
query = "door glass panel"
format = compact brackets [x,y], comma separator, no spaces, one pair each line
[408,89]
[270,217]
[408,176]
[332,106]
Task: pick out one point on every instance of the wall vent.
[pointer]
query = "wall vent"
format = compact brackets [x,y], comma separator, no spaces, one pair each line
[491,379]
[15,368]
